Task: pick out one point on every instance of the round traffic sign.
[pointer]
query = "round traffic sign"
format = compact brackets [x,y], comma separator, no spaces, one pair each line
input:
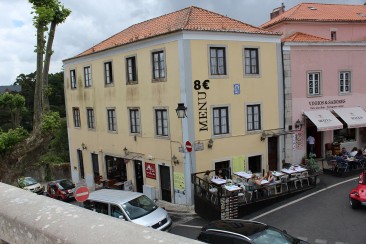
[189,146]
[81,194]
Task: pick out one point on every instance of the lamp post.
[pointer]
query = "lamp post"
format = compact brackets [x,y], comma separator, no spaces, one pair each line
[182,113]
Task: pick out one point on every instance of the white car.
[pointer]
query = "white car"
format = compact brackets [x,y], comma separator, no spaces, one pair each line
[30,184]
[130,206]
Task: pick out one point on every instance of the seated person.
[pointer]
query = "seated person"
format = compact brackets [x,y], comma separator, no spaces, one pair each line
[255,183]
[269,177]
[353,152]
[344,153]
[219,174]
[359,154]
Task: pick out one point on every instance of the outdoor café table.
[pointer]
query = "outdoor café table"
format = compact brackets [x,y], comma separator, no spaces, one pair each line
[218,181]
[243,174]
[232,188]
[299,169]
[289,171]
[264,182]
[277,174]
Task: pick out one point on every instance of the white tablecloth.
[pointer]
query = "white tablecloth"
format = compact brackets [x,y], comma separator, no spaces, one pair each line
[218,181]
[243,174]
[232,188]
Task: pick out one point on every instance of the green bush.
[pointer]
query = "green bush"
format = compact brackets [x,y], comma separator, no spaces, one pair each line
[11,138]
[51,121]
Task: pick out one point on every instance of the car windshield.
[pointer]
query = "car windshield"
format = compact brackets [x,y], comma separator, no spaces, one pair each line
[272,236]
[28,181]
[65,185]
[139,207]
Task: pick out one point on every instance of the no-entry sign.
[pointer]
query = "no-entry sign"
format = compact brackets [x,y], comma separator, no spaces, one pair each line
[189,146]
[81,194]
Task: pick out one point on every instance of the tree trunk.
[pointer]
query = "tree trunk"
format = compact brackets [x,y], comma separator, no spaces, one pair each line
[38,86]
[51,36]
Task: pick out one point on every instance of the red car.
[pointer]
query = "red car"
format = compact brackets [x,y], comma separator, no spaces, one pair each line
[61,189]
[357,196]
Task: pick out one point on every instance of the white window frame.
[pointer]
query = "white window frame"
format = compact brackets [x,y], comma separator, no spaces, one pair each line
[112,125]
[214,68]
[73,84]
[161,123]
[135,121]
[130,70]
[347,89]
[76,117]
[257,59]
[255,120]
[108,73]
[220,122]
[90,118]
[160,64]
[311,81]
[88,76]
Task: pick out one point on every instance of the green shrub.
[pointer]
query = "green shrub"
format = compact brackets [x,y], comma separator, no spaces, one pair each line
[51,121]
[11,138]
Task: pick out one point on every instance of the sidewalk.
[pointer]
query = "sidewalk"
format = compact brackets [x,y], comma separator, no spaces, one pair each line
[178,209]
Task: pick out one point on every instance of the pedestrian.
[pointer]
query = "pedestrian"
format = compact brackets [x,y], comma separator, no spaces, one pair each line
[311,143]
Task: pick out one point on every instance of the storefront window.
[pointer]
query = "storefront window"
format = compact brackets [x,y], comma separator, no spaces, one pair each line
[344,135]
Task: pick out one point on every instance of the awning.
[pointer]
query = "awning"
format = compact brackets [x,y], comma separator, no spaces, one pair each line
[354,117]
[324,120]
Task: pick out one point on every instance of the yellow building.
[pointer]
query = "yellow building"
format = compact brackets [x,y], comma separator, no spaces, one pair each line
[122,95]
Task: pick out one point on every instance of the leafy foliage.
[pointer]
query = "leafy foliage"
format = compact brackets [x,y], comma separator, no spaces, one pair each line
[312,164]
[51,121]
[11,138]
[14,104]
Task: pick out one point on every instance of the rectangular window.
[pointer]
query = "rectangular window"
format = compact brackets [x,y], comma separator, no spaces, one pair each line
[253,117]
[345,82]
[108,74]
[217,61]
[314,83]
[251,61]
[131,70]
[73,79]
[161,122]
[112,120]
[158,65]
[333,35]
[91,118]
[221,120]
[87,76]
[76,114]
[134,121]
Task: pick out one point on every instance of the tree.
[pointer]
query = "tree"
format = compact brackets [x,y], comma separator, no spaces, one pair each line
[15,105]
[46,13]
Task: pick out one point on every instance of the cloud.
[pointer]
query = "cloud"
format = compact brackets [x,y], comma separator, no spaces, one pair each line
[93,21]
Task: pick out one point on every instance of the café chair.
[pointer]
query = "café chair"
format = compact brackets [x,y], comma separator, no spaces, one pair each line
[250,190]
[241,195]
[304,177]
[284,180]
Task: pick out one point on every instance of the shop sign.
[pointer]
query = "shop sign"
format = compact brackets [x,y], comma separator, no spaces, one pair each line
[150,170]
[201,88]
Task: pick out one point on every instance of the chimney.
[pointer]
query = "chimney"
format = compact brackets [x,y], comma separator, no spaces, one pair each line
[278,11]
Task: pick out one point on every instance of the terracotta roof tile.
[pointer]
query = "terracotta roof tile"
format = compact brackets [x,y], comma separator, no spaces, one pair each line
[302,37]
[190,19]
[321,13]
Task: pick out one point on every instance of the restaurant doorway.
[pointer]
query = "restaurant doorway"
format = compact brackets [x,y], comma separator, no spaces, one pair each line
[138,175]
[166,192]
[95,164]
[81,164]
[116,169]
[272,153]
[312,130]
[225,167]
[255,164]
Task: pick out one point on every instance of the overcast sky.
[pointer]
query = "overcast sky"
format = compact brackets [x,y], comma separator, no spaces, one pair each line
[92,21]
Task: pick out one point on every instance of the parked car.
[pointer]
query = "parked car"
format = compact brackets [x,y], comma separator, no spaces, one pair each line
[61,189]
[129,206]
[30,184]
[244,231]
[357,195]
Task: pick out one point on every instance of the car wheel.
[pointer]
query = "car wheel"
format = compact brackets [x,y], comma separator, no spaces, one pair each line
[354,203]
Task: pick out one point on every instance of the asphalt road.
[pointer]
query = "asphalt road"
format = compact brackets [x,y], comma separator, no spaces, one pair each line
[321,215]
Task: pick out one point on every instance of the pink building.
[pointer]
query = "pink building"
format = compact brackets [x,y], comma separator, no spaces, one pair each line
[324,47]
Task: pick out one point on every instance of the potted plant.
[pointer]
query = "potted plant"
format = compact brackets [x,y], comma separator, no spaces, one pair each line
[313,166]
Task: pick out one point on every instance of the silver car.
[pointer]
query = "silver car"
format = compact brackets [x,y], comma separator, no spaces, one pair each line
[130,206]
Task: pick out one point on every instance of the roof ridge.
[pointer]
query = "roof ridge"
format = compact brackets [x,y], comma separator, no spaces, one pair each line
[188,17]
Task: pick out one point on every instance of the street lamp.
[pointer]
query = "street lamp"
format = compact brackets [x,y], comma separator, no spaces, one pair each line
[181,111]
